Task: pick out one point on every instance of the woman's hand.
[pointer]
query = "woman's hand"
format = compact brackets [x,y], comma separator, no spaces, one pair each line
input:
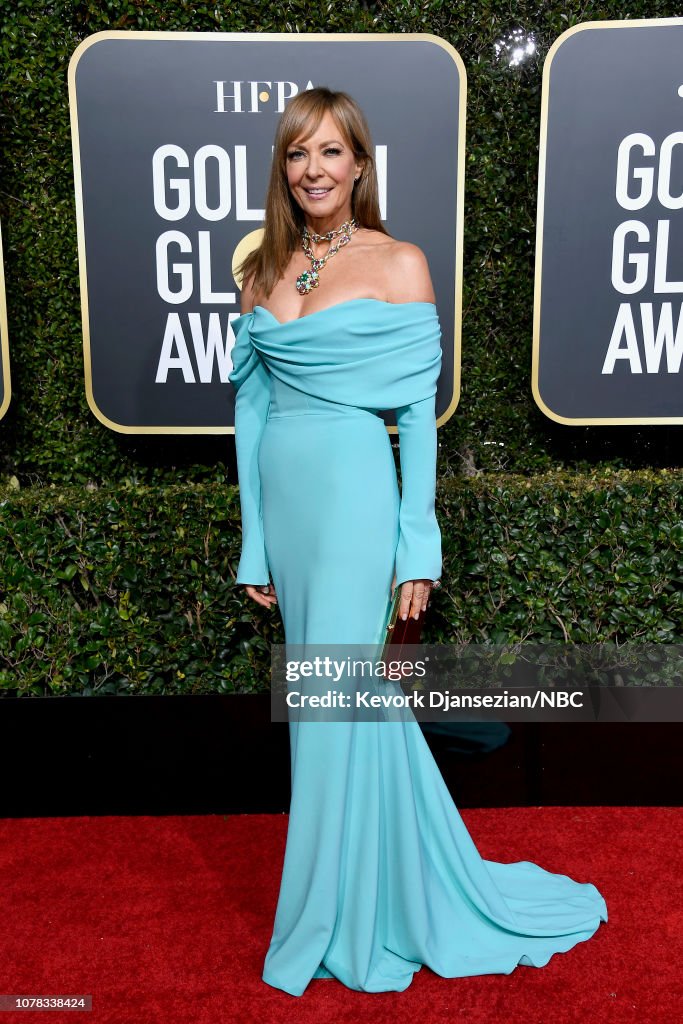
[414,596]
[263,594]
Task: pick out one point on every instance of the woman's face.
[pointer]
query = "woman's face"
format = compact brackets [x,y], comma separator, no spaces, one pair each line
[321,172]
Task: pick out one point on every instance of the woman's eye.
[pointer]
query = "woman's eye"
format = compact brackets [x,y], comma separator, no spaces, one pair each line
[334,150]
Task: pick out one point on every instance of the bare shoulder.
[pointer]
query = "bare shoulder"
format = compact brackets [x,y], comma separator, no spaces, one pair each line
[409,276]
[247,300]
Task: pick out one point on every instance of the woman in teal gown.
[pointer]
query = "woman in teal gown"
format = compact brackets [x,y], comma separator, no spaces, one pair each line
[380,874]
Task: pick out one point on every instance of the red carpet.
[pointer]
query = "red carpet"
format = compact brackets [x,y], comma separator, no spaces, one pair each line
[167,919]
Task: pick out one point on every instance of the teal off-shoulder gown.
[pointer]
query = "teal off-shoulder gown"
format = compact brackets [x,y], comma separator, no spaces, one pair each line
[380,874]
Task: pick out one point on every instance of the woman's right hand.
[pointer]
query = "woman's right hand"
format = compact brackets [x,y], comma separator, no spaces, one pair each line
[263,594]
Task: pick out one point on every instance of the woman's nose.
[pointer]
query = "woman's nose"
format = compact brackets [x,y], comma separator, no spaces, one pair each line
[313,169]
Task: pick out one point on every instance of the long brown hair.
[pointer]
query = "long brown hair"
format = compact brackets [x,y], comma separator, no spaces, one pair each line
[284,218]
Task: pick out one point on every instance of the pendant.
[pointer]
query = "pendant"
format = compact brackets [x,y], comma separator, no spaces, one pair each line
[310,278]
[304,282]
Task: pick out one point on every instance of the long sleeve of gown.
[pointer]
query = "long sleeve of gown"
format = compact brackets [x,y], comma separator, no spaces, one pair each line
[252,381]
[418,553]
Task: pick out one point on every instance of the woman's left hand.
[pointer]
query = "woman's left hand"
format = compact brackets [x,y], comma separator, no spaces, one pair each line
[414,596]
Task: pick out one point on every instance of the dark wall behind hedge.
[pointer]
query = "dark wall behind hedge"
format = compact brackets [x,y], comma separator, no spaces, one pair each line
[49,434]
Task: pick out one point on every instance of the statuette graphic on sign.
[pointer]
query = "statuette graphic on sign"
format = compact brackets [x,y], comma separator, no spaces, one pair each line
[171,164]
[608,307]
[243,248]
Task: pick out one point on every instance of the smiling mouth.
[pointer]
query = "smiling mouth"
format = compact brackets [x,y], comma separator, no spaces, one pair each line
[317,191]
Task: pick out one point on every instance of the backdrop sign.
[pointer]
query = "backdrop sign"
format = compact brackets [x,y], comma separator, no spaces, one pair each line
[608,320]
[172,141]
[5,388]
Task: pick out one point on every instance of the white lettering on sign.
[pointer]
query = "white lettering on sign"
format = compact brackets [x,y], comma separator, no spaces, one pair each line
[644,339]
[209,347]
[177,195]
[655,340]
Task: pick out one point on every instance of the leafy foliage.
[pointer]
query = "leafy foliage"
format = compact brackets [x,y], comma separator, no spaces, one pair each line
[131,589]
[127,590]
[585,559]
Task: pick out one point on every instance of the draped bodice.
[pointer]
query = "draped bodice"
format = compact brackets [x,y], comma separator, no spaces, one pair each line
[362,352]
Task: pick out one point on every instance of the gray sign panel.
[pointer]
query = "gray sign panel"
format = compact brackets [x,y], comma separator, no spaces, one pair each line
[172,140]
[608,330]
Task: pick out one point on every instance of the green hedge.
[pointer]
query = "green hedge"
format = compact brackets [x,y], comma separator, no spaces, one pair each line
[131,589]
